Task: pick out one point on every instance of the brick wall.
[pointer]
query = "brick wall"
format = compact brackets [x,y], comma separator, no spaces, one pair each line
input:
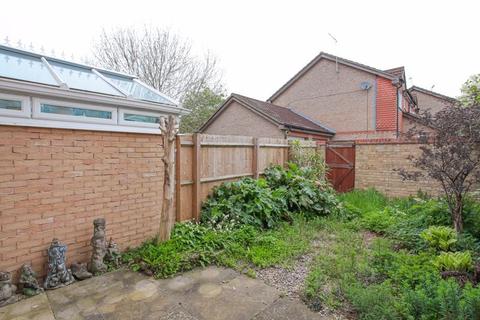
[54,183]
[374,166]
[386,104]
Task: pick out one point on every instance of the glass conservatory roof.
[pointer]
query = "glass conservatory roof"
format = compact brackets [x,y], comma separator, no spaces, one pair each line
[32,67]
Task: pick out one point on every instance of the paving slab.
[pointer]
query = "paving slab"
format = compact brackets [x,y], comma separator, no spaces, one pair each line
[211,293]
[34,308]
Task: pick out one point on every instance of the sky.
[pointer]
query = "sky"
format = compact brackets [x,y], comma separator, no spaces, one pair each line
[262,44]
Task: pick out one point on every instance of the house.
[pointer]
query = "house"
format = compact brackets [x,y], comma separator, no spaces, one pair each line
[352,100]
[240,115]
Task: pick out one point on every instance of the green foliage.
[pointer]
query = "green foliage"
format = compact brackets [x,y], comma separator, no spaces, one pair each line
[440,237]
[379,220]
[351,272]
[265,202]
[201,105]
[454,261]
[301,193]
[471,91]
[245,202]
[310,160]
[193,245]
[365,200]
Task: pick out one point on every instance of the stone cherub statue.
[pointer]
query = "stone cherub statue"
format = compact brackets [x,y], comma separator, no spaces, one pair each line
[7,289]
[28,281]
[99,246]
[58,275]
[113,253]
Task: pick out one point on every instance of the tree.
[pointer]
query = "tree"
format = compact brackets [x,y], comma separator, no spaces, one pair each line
[450,153]
[160,58]
[471,91]
[169,129]
[202,105]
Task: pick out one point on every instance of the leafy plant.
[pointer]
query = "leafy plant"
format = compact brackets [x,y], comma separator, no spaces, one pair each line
[245,202]
[300,192]
[440,237]
[310,160]
[454,261]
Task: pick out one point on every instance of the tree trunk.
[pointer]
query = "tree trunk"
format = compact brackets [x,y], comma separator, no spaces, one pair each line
[457,214]
[169,131]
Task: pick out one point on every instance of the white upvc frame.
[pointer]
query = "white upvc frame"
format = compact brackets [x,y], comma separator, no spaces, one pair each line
[123,122]
[38,114]
[26,106]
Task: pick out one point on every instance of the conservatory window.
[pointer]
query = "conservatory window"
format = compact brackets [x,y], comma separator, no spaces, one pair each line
[139,118]
[59,110]
[13,105]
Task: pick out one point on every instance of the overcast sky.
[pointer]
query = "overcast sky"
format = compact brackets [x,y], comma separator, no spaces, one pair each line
[261,44]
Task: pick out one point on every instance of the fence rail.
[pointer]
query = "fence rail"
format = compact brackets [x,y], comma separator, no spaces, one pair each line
[205,161]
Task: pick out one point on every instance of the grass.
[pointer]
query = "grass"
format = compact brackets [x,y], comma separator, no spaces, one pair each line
[351,274]
[193,245]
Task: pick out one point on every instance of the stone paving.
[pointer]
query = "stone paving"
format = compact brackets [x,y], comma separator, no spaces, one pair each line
[205,294]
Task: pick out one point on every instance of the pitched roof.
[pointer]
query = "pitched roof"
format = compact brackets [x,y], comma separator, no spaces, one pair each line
[276,114]
[331,57]
[397,72]
[432,93]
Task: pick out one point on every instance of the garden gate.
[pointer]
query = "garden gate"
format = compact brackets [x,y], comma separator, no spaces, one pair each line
[340,158]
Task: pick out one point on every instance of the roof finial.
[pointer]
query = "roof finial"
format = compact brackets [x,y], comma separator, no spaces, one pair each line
[19,44]
[7,41]
[42,49]
[31,47]
[53,52]
[63,55]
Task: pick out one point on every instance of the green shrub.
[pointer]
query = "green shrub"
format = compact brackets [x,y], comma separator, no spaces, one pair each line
[365,200]
[440,237]
[301,193]
[312,162]
[380,220]
[454,261]
[245,202]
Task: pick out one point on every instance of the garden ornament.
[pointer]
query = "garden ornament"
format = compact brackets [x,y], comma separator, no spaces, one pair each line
[58,275]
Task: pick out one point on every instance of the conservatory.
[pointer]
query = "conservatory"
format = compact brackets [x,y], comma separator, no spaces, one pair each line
[41,91]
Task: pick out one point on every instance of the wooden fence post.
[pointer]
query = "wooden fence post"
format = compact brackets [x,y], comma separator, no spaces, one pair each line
[196,172]
[255,158]
[178,178]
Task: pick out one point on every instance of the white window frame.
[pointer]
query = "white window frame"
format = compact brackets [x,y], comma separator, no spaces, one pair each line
[123,122]
[38,114]
[26,106]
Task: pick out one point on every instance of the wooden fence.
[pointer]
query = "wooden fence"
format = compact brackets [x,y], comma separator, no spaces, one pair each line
[205,161]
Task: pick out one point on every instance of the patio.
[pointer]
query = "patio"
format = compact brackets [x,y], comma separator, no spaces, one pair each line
[210,293]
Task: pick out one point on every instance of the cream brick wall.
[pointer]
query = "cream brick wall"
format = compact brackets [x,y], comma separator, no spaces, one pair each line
[54,183]
[374,169]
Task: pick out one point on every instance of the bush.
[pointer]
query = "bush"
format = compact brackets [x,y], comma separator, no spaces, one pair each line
[301,193]
[454,261]
[245,202]
[439,237]
[265,202]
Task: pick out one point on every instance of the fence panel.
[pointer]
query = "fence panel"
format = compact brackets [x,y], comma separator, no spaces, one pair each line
[205,161]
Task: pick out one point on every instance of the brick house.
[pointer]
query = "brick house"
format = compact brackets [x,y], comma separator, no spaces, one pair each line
[76,143]
[240,115]
[353,101]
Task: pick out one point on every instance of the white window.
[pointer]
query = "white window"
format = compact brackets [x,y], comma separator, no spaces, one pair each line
[14,106]
[138,118]
[70,111]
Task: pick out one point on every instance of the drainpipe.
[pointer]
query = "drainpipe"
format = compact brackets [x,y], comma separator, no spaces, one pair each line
[398,83]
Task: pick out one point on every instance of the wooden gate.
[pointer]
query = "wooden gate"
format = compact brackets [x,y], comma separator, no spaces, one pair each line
[340,158]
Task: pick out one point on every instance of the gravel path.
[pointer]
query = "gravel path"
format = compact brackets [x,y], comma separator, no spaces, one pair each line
[290,280]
